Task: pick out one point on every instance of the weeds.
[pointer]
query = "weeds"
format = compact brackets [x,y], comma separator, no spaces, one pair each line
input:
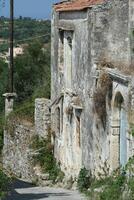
[4,183]
[131,129]
[84,180]
[45,158]
[118,186]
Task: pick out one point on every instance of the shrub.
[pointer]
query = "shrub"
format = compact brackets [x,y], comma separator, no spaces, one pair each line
[4,182]
[114,189]
[45,158]
[84,180]
[131,129]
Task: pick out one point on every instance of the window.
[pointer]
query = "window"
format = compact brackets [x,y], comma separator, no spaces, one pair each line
[68,57]
[61,51]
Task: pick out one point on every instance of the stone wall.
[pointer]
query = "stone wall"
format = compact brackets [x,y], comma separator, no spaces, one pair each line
[17,157]
[42,116]
[18,136]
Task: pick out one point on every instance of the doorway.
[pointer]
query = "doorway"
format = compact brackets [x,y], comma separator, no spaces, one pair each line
[118,141]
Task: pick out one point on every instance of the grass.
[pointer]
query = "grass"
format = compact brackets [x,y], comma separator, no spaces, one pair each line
[22,112]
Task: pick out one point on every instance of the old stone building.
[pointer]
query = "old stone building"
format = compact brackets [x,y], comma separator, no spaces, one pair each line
[92,92]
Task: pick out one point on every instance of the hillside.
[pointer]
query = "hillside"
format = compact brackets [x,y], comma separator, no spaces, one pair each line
[24,30]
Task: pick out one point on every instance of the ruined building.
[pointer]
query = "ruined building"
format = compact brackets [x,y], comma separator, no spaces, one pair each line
[92,93]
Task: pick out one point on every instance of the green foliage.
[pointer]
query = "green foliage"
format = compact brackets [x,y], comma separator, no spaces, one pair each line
[130,166]
[3,83]
[2,122]
[130,184]
[32,72]
[32,69]
[114,186]
[114,189]
[132,129]
[25,28]
[4,182]
[84,180]
[45,158]
[3,47]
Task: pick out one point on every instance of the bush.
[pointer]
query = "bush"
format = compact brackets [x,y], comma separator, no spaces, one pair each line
[114,189]
[45,158]
[4,183]
[84,180]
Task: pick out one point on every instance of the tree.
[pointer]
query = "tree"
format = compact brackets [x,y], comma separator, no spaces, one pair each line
[32,72]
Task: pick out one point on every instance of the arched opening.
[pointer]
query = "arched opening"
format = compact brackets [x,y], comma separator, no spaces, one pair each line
[118,144]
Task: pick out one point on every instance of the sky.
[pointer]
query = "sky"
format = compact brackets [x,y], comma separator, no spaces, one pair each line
[40,9]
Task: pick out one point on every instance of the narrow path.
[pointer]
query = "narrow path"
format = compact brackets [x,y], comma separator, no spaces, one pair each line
[26,191]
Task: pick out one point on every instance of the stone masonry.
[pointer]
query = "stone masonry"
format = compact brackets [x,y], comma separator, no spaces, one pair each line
[18,136]
[17,158]
[42,116]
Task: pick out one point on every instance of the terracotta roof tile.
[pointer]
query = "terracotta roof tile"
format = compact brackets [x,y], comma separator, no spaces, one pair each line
[75,5]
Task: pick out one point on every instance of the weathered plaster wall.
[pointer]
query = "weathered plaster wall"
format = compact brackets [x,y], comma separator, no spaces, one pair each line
[111,32]
[131,29]
[66,149]
[100,34]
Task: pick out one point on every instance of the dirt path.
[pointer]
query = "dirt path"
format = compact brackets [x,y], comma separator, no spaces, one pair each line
[25,191]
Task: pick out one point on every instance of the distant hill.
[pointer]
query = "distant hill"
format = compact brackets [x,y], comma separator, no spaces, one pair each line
[24,29]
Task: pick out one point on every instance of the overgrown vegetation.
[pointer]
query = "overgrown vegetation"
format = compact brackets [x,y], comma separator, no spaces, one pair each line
[84,180]
[131,129]
[45,158]
[31,73]
[2,121]
[118,186]
[4,183]
[103,91]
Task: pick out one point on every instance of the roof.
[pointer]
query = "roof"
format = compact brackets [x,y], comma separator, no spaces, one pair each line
[76,5]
